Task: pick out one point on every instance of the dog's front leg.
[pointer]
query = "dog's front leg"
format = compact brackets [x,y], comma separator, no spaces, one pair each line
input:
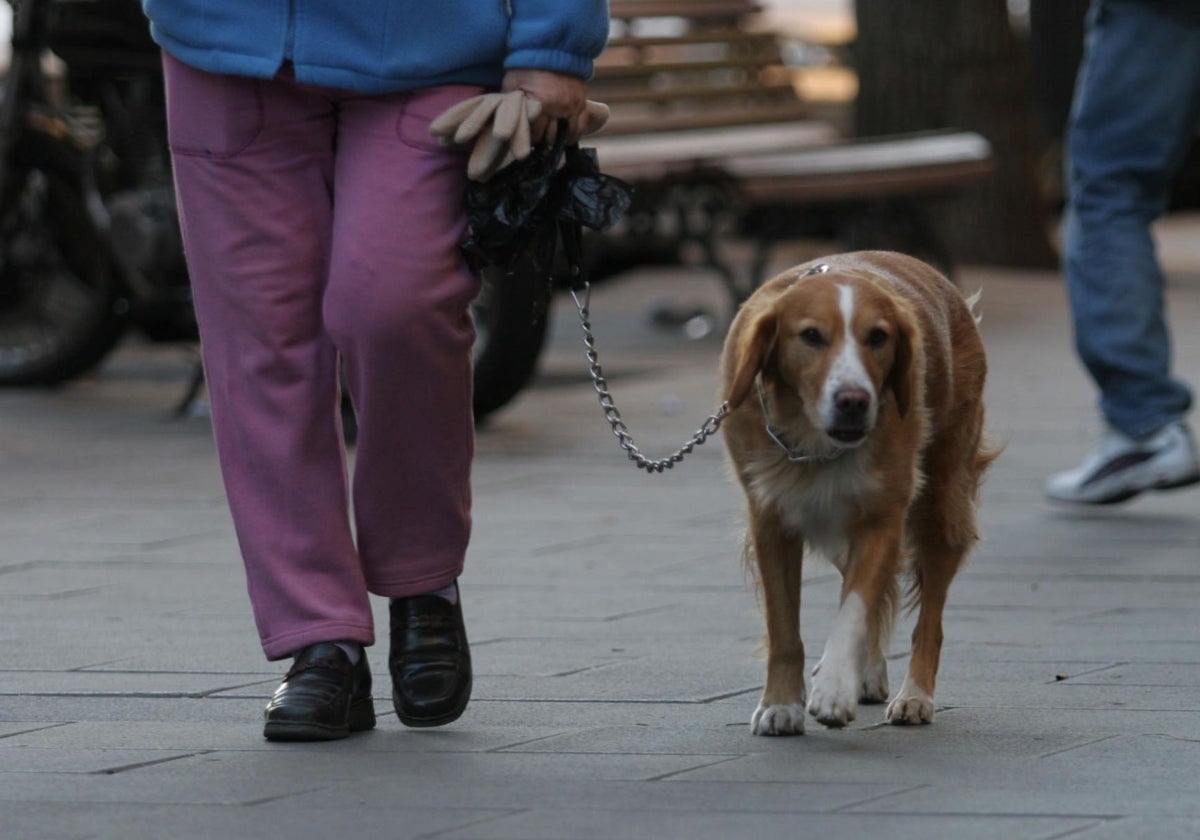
[868,596]
[779,556]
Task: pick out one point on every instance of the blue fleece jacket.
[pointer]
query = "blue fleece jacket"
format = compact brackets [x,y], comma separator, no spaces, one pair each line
[375,46]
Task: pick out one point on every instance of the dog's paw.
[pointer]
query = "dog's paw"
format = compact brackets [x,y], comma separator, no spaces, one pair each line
[875,682]
[834,700]
[778,720]
[911,706]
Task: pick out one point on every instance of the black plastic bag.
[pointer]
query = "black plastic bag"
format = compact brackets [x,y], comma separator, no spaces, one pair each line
[518,217]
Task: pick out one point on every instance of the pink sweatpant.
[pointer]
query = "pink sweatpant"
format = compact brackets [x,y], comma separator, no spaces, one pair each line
[321,228]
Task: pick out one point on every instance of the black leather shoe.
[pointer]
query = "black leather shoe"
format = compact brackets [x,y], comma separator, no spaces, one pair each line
[429,660]
[323,697]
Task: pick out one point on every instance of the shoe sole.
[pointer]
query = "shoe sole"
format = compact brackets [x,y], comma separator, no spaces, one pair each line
[429,722]
[360,719]
[1186,481]
[1124,496]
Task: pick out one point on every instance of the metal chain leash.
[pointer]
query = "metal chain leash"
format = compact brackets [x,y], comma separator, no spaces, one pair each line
[710,426]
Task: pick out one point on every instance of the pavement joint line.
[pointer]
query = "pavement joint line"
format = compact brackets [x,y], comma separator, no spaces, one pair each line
[728,694]
[1170,737]
[99,669]
[21,567]
[725,760]
[581,542]
[508,812]
[1112,707]
[64,595]
[605,619]
[112,771]
[572,672]
[1074,677]
[144,695]
[37,729]
[527,741]
[80,668]
[1036,815]
[1080,830]
[1088,743]
[879,797]
[266,800]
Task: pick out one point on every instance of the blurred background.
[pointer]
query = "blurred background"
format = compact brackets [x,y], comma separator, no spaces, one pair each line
[744,127]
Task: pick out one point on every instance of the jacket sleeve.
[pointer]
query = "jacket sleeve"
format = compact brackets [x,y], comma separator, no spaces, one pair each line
[559,35]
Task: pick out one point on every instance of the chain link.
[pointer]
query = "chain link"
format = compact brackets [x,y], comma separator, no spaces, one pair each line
[613,415]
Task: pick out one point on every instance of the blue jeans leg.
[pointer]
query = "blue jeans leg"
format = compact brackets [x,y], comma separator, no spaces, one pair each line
[1137,104]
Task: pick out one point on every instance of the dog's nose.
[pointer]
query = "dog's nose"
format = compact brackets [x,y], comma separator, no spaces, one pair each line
[851,403]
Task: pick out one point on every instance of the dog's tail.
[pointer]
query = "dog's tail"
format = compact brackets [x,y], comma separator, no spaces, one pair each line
[972,302]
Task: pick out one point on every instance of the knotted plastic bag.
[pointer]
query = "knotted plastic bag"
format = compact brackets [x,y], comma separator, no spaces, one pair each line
[519,216]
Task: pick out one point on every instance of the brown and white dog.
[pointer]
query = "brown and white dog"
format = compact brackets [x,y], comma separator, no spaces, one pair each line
[855,387]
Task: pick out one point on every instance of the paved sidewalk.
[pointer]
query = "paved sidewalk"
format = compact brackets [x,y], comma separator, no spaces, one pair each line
[613,632]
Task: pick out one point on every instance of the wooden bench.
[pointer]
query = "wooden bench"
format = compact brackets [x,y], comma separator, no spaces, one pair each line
[707,125]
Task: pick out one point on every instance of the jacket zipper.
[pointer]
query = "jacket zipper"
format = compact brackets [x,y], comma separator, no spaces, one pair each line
[289,41]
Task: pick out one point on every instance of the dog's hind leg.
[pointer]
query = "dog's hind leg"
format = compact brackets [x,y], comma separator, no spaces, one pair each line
[943,531]
[935,568]
[778,557]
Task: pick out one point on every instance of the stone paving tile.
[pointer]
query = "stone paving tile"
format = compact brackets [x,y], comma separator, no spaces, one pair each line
[575,823]
[186,736]
[84,761]
[1066,799]
[122,684]
[153,822]
[1149,827]
[614,629]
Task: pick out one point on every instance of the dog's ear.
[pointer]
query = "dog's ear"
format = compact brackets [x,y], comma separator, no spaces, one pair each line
[756,343]
[901,379]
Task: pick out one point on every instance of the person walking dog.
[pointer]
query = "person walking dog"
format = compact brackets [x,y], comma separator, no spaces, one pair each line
[321,222]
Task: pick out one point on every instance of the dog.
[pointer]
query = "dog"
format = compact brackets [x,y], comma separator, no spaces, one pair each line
[855,427]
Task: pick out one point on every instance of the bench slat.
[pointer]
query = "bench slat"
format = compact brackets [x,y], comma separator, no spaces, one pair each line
[709,117]
[844,187]
[624,156]
[867,155]
[811,173]
[718,9]
[733,37]
[684,92]
[732,62]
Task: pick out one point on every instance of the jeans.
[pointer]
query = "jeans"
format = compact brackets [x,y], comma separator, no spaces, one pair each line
[322,230]
[1135,113]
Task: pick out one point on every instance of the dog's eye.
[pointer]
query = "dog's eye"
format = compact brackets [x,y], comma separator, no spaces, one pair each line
[877,337]
[812,337]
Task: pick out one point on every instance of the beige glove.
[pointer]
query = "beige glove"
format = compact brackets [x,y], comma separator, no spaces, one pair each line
[510,136]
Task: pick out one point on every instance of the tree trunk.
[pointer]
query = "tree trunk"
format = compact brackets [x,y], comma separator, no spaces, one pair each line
[927,64]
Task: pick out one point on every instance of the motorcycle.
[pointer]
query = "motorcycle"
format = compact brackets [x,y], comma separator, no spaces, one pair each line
[89,235]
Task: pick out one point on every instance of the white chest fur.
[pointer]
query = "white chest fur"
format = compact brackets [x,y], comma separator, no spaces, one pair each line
[815,502]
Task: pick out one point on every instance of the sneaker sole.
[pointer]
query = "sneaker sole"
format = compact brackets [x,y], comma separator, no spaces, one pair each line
[1126,495]
[1186,481]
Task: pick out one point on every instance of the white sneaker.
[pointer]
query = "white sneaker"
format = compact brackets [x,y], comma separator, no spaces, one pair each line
[1120,467]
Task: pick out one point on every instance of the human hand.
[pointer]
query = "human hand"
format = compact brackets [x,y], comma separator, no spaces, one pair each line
[562,97]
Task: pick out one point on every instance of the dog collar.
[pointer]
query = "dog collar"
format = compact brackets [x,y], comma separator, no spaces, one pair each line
[794,455]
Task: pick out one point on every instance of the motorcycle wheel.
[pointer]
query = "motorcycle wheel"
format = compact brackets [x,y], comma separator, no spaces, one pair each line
[60,308]
[510,331]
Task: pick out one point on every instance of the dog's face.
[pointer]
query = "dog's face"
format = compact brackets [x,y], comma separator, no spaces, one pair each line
[839,343]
